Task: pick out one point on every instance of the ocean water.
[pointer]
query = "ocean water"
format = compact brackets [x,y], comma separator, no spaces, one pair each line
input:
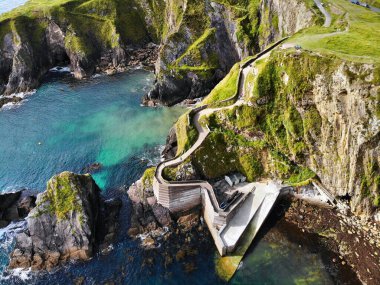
[8,5]
[67,125]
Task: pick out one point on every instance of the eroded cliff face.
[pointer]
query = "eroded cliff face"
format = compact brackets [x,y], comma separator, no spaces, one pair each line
[89,36]
[346,156]
[206,38]
[306,115]
[200,40]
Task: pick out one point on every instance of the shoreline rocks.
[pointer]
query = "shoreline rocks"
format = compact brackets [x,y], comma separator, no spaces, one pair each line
[356,242]
[70,222]
[15,206]
[153,223]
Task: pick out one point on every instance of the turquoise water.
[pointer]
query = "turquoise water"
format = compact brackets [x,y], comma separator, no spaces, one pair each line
[67,125]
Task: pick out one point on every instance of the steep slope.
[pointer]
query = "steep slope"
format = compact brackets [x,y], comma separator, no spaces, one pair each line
[307,113]
[86,34]
[200,40]
[207,38]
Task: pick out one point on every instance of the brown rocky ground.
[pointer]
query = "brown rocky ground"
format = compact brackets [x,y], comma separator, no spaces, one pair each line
[355,242]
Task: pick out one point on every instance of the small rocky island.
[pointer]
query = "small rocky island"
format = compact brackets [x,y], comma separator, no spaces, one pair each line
[71,221]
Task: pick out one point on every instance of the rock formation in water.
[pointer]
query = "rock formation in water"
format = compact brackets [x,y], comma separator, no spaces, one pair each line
[71,221]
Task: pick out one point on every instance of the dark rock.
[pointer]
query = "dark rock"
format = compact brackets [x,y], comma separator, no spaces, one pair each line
[25,205]
[14,206]
[92,168]
[8,199]
[162,215]
[171,145]
[68,223]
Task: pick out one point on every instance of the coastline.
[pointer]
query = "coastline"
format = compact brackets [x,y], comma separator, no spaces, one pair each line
[345,242]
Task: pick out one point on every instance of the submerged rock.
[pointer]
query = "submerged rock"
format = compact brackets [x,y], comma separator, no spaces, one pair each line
[93,167]
[68,223]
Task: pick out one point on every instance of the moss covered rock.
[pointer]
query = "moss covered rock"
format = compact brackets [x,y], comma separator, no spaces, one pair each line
[65,225]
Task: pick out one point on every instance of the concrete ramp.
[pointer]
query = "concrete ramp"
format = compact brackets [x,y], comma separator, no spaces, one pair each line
[256,206]
[236,227]
[265,197]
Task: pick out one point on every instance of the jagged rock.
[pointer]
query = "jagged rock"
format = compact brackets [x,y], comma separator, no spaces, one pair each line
[14,206]
[188,221]
[93,167]
[68,223]
[171,145]
[162,215]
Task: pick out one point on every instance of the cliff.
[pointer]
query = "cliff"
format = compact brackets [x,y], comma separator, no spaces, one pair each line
[204,39]
[310,110]
[200,40]
[88,35]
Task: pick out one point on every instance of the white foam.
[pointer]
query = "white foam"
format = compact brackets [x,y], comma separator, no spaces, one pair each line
[60,69]
[7,236]
[21,95]
[97,75]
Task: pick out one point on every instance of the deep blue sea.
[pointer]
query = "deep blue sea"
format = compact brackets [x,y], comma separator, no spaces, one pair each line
[69,124]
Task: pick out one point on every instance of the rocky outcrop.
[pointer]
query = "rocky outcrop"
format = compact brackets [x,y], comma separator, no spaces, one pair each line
[68,223]
[208,38]
[15,206]
[306,116]
[200,40]
[89,37]
[171,145]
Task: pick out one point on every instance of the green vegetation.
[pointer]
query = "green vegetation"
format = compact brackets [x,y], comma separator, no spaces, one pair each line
[147,178]
[89,26]
[370,182]
[186,133]
[226,88]
[353,35]
[63,193]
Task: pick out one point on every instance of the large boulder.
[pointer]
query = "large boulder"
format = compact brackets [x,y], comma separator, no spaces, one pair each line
[65,224]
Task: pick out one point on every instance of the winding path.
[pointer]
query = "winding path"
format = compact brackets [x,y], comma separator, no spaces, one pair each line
[159,182]
[324,12]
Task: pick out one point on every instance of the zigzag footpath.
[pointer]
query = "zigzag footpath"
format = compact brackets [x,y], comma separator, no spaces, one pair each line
[203,132]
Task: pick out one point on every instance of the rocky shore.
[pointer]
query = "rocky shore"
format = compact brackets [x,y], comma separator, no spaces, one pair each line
[15,206]
[70,222]
[356,242]
[155,225]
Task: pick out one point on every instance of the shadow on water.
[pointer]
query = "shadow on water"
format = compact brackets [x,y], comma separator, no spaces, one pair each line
[277,231]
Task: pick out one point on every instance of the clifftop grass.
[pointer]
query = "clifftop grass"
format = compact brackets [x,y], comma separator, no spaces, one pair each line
[89,25]
[354,34]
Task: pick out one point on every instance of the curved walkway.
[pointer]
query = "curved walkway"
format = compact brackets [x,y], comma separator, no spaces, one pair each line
[203,133]
[324,12]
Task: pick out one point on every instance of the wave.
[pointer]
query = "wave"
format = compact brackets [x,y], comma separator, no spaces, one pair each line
[7,238]
[21,95]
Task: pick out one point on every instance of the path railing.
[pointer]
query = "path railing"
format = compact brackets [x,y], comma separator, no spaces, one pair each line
[172,185]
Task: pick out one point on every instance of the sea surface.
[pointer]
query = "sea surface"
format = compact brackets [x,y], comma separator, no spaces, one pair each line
[69,124]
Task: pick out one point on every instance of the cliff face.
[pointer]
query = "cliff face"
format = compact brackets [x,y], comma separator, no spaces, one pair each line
[69,222]
[200,40]
[306,115]
[88,35]
[205,39]
[338,110]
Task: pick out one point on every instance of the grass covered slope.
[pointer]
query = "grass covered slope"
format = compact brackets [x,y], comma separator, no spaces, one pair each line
[107,22]
[313,112]
[354,34]
[67,193]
